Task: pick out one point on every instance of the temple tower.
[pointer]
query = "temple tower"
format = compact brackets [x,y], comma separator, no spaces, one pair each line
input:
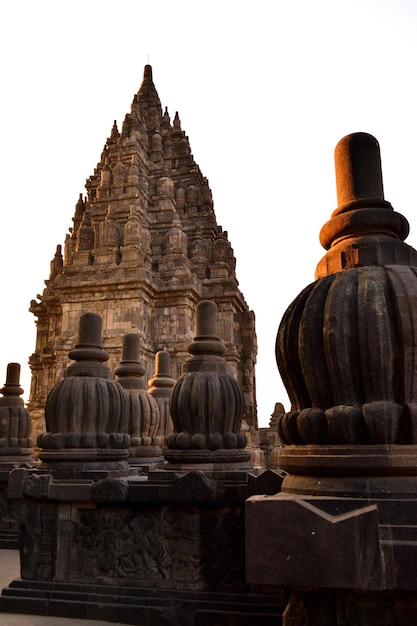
[143,249]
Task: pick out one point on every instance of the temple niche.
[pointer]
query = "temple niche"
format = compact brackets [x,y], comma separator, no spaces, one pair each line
[144,248]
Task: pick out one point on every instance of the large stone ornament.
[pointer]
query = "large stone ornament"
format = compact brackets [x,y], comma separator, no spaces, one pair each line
[346,346]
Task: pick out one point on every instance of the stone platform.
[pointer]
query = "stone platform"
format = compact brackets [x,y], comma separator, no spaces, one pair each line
[35,603]
[9,570]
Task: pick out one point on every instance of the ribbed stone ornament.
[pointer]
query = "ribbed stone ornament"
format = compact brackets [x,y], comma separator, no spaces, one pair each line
[142,408]
[86,412]
[207,403]
[346,347]
[15,424]
[160,386]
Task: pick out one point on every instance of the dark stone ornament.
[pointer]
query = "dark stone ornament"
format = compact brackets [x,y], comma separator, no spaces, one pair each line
[15,424]
[142,409]
[345,346]
[346,350]
[16,450]
[160,386]
[207,403]
[86,412]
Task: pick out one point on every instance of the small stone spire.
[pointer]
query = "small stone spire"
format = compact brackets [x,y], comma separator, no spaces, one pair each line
[132,228]
[109,230]
[106,176]
[177,122]
[114,131]
[166,120]
[133,177]
[15,423]
[143,411]
[79,212]
[85,234]
[148,99]
[86,412]
[160,386]
[57,262]
[161,383]
[207,403]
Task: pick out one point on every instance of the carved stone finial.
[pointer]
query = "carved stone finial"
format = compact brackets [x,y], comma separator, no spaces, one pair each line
[85,234]
[345,347]
[207,403]
[12,388]
[177,122]
[57,262]
[114,131]
[131,371]
[86,412]
[15,422]
[358,172]
[161,383]
[143,411]
[147,72]
[160,386]
[364,229]
[109,230]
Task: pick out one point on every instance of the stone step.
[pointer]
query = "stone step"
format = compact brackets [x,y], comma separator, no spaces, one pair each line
[144,607]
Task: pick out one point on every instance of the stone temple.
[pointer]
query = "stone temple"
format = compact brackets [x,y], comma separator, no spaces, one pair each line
[121,522]
[143,249]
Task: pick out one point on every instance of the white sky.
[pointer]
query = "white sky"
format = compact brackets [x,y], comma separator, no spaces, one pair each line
[264,91]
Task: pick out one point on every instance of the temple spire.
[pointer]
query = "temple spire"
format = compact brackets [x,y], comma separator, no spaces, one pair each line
[147,94]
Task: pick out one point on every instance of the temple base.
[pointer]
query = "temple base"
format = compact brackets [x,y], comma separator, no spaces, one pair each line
[147,607]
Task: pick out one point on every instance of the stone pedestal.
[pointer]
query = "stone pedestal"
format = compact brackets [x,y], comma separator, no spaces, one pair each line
[167,548]
[342,534]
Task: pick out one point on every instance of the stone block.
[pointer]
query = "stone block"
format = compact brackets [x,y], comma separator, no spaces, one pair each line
[295,543]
